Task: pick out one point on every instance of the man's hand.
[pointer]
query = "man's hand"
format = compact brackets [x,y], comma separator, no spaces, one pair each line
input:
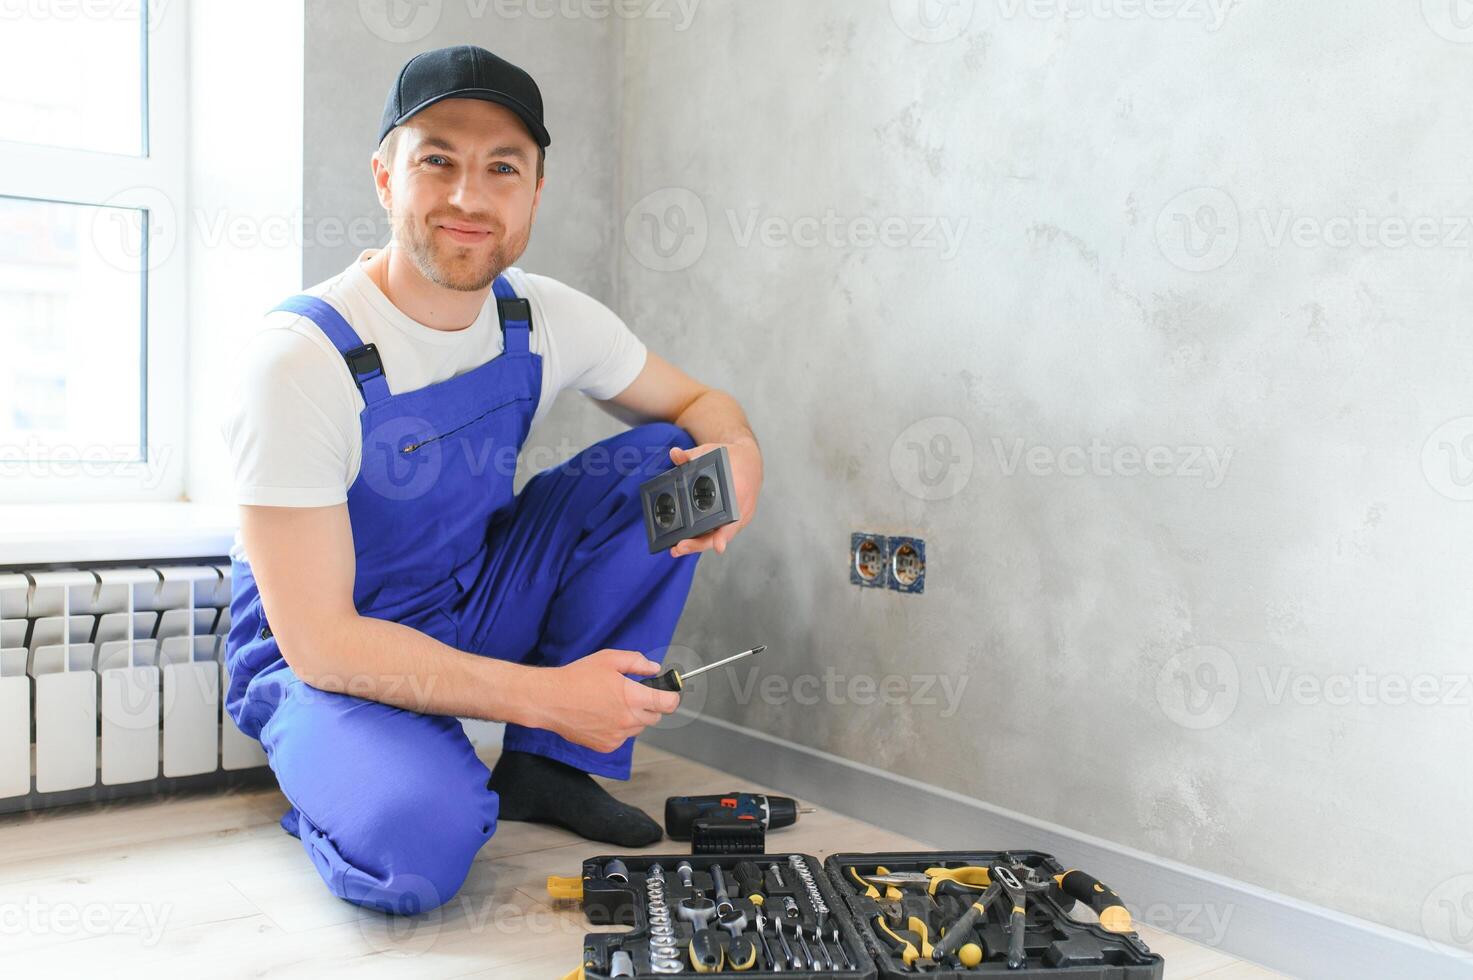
[664,392]
[746,465]
[592,702]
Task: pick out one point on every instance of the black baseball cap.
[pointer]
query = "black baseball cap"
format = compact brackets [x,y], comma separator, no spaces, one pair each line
[463,72]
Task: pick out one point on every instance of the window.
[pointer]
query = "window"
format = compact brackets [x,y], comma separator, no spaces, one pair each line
[92,297]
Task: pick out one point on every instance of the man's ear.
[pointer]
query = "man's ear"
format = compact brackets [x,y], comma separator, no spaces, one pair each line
[381,182]
[536,199]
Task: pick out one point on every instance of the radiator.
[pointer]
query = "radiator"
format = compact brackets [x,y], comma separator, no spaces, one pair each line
[112,681]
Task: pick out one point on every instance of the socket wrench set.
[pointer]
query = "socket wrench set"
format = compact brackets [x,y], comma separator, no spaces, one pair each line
[953,915]
[764,915]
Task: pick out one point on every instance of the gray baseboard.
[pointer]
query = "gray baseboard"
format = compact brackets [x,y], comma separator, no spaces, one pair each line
[1277,931]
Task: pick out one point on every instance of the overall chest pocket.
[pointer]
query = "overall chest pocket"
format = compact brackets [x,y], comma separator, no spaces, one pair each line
[415,444]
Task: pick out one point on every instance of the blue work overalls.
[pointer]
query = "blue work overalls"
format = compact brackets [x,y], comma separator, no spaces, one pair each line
[392,805]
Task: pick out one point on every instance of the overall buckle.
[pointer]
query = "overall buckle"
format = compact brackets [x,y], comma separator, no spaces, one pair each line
[364,362]
[517,309]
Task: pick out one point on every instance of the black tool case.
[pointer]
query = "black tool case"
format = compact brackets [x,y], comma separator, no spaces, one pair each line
[1056,944]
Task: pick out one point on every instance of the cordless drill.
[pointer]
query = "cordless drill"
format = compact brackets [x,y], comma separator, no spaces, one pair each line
[772,812]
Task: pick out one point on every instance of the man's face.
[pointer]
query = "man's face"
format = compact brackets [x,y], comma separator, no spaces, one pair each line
[461,191]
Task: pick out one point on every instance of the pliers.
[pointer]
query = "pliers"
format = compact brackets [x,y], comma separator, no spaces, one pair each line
[913,949]
[1017,918]
[958,933]
[967,879]
[1102,900]
[867,884]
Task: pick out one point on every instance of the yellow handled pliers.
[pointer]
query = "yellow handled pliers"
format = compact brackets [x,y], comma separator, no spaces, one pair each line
[968,878]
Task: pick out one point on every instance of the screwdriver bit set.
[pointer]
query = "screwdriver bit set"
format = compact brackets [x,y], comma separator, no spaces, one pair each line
[952,915]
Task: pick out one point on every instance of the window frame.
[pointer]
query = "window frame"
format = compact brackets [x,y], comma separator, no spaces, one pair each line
[158,183]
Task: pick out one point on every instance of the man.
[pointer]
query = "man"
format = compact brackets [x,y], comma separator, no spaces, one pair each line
[387,581]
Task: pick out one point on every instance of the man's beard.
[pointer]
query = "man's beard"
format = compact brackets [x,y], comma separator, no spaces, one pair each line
[454,266]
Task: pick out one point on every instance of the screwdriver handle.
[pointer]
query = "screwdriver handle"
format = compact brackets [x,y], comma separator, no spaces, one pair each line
[672,680]
[668,681]
[749,876]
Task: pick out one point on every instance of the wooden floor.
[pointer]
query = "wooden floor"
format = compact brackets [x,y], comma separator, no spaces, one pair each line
[206,886]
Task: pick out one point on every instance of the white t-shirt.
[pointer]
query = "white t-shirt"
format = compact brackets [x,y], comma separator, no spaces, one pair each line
[291,418]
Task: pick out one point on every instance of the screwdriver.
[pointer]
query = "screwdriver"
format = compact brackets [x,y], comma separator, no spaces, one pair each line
[674,680]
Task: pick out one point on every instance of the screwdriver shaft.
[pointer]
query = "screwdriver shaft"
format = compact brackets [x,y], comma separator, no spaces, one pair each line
[687,675]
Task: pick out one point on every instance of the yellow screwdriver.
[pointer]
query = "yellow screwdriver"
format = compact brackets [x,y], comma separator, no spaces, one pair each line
[674,680]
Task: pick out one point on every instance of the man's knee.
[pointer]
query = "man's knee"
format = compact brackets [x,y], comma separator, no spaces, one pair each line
[650,445]
[665,434]
[649,442]
[638,454]
[412,892]
[392,805]
[415,849]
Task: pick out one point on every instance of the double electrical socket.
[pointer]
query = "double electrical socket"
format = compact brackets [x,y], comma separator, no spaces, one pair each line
[877,561]
[689,500]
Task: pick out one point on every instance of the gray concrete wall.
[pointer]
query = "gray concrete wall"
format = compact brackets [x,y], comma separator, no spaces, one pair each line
[1065,289]
[1197,531]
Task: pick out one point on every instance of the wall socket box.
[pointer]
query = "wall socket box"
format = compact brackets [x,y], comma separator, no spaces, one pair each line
[689,500]
[878,561]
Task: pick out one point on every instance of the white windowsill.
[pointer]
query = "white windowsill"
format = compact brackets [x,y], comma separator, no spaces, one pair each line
[83,532]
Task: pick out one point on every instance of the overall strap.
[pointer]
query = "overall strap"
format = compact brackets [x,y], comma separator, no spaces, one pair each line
[363,360]
[516,317]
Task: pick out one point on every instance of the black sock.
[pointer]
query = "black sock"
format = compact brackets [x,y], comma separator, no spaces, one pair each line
[537,789]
